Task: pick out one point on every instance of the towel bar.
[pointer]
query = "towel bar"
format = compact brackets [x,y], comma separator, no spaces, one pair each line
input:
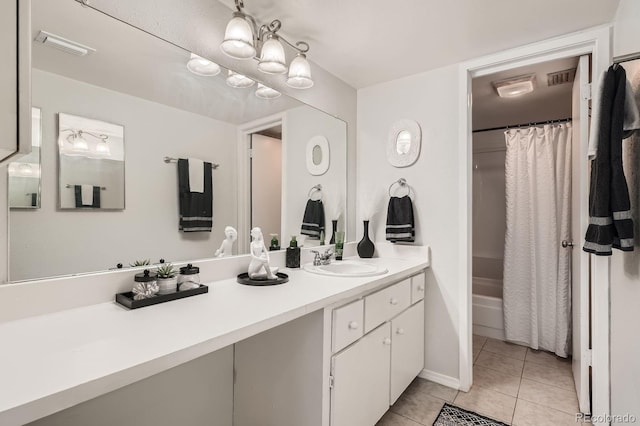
[315,188]
[175,160]
[403,183]
[102,188]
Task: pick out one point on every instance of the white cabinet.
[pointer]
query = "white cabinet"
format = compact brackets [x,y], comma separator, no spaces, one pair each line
[418,288]
[347,325]
[361,375]
[385,304]
[407,349]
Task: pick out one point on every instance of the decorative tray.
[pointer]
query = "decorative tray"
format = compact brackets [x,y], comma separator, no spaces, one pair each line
[244,279]
[126,299]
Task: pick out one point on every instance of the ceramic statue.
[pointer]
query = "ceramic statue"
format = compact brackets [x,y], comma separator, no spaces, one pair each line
[259,268]
[226,248]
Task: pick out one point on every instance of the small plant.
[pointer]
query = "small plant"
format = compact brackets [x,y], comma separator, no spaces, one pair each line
[140,263]
[166,270]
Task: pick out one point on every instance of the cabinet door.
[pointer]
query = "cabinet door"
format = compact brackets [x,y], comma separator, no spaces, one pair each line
[360,393]
[407,350]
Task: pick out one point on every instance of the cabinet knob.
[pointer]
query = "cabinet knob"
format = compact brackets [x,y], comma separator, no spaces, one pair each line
[386,341]
[400,331]
[420,287]
[353,325]
[393,301]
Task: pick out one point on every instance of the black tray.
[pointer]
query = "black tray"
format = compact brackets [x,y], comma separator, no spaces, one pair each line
[244,279]
[126,299]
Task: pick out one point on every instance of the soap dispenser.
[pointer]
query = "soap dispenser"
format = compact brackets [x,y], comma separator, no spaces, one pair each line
[293,254]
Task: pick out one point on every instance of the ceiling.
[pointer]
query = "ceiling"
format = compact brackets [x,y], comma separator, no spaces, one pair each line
[369,42]
[544,103]
[131,61]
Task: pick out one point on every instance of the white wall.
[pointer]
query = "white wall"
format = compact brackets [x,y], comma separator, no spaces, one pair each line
[431,99]
[625,267]
[75,241]
[302,124]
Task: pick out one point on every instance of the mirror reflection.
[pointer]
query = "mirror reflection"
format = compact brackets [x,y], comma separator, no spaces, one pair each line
[115,73]
[317,155]
[403,142]
[24,175]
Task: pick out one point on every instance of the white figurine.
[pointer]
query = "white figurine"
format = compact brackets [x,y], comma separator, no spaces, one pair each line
[226,248]
[259,267]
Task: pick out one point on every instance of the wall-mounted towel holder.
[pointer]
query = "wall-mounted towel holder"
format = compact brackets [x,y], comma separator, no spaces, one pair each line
[317,188]
[175,160]
[402,182]
[102,188]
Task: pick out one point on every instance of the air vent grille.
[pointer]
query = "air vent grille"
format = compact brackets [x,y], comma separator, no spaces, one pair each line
[561,77]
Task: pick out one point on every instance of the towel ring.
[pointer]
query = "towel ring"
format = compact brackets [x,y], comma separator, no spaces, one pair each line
[403,184]
[317,188]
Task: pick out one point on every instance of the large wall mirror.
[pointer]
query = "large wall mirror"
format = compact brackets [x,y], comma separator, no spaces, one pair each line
[89,66]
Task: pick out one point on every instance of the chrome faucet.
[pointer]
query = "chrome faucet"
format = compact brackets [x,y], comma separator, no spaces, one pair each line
[322,259]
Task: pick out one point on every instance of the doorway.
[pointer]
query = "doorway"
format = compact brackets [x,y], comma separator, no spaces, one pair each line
[526,182]
[266,181]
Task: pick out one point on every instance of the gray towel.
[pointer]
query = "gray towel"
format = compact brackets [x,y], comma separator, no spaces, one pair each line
[313,219]
[400,222]
[196,208]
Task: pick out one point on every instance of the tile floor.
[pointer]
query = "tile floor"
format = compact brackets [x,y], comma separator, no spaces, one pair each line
[511,383]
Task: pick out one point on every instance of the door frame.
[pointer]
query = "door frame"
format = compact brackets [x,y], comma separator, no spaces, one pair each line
[244,173]
[596,42]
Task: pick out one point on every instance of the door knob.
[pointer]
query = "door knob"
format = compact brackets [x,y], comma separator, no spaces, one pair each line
[566,243]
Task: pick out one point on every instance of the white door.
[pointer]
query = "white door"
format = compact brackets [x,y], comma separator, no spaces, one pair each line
[360,393]
[579,223]
[266,185]
[407,349]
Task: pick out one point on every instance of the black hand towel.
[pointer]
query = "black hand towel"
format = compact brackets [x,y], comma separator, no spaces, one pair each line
[77,189]
[610,223]
[196,208]
[400,224]
[313,219]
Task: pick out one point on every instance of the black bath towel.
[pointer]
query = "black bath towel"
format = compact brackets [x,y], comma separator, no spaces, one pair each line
[77,189]
[610,223]
[400,223]
[313,219]
[196,208]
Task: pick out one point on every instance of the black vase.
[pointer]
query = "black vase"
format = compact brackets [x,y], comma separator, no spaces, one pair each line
[335,229]
[366,246]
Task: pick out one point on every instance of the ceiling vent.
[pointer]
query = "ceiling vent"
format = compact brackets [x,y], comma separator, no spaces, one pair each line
[63,44]
[561,77]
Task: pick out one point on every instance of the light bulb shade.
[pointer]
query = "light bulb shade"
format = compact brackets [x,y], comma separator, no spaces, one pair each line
[264,92]
[201,66]
[79,143]
[272,58]
[300,73]
[103,148]
[238,38]
[239,81]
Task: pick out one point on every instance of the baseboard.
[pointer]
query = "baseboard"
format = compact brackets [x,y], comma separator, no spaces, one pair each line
[494,333]
[448,381]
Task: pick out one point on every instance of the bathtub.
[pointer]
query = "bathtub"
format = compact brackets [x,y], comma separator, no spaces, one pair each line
[487,299]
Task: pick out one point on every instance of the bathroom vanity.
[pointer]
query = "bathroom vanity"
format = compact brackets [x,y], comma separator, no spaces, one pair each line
[316,351]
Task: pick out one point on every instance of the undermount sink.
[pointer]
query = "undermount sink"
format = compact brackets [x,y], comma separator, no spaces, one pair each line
[346,268]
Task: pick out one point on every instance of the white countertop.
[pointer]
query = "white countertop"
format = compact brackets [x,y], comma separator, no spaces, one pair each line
[54,361]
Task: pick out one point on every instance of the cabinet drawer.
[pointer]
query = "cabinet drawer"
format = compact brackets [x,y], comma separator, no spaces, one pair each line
[417,288]
[347,324]
[386,304]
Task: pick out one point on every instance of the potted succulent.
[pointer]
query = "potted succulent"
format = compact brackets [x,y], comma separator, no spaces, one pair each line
[137,263]
[167,279]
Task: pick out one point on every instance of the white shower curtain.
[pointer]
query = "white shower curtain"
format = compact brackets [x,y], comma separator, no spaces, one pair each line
[537,275]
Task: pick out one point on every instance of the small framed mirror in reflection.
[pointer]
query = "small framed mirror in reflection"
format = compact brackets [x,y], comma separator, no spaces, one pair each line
[317,155]
[24,175]
[404,143]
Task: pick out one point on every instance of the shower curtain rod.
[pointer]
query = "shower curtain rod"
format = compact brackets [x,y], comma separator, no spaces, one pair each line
[538,123]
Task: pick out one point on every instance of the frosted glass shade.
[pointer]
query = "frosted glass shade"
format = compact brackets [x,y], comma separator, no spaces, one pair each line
[238,38]
[103,148]
[272,59]
[239,81]
[79,143]
[264,92]
[201,66]
[300,73]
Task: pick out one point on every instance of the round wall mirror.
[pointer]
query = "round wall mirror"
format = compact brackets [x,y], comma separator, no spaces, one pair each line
[317,155]
[403,143]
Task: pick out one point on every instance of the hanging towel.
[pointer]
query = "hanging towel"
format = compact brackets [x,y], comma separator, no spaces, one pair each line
[313,219]
[400,223]
[610,223]
[196,208]
[196,175]
[87,196]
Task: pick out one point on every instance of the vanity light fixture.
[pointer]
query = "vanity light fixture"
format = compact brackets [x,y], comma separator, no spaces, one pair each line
[515,86]
[201,66]
[80,144]
[243,36]
[239,81]
[264,92]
